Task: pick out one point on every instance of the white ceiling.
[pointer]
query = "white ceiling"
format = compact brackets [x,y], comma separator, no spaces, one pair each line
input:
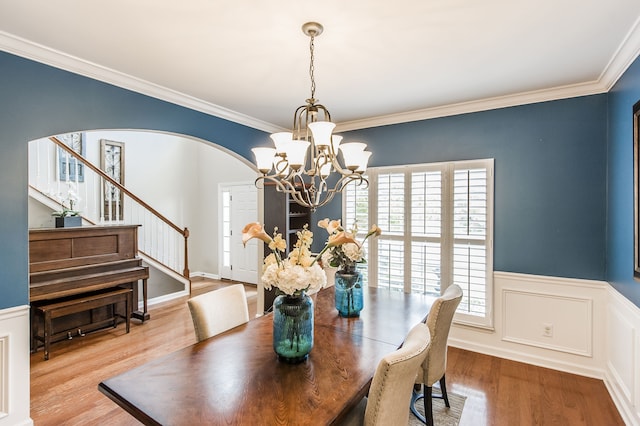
[377,62]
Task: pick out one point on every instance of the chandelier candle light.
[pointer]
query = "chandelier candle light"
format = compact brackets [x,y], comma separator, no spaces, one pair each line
[304,160]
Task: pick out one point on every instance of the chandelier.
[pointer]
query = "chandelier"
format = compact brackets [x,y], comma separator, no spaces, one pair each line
[304,162]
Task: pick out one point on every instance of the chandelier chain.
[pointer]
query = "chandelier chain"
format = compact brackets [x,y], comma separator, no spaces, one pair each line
[311,69]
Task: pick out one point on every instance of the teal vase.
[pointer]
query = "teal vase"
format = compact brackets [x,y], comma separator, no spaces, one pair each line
[293,327]
[348,291]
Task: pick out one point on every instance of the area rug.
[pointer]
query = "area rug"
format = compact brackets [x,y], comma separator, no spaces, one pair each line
[442,415]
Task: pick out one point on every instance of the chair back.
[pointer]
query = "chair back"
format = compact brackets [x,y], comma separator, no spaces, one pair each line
[439,322]
[390,391]
[218,311]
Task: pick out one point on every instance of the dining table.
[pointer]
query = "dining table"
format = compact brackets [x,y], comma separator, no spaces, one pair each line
[235,378]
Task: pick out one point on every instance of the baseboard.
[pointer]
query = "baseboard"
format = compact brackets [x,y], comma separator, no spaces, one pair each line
[167,297]
[204,275]
[521,356]
[626,411]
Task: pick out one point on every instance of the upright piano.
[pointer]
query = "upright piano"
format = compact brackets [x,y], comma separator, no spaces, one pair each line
[65,262]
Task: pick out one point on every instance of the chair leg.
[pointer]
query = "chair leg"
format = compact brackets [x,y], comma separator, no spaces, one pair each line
[428,405]
[443,389]
[415,396]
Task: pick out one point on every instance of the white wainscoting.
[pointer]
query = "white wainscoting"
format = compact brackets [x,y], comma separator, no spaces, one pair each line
[14,366]
[525,304]
[550,321]
[622,369]
[594,332]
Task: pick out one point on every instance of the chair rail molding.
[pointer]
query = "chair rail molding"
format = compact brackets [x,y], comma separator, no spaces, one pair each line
[14,358]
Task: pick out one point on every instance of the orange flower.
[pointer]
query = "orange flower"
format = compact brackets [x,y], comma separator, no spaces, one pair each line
[374,231]
[331,226]
[254,230]
[341,238]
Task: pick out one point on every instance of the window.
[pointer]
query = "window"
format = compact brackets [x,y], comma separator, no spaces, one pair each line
[437,228]
[226,228]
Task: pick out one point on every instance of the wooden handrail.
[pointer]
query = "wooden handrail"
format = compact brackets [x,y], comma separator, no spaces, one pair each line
[184,232]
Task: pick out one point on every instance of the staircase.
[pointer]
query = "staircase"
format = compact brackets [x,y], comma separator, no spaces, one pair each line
[61,178]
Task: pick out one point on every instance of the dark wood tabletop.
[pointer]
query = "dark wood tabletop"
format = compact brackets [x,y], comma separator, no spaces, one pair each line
[235,378]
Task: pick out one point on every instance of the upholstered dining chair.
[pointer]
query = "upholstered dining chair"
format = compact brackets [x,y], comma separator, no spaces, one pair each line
[218,310]
[390,390]
[434,365]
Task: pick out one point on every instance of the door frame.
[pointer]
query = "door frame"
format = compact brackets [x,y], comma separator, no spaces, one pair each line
[222,188]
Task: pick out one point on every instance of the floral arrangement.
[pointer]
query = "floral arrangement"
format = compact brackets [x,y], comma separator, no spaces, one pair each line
[72,197]
[342,250]
[297,273]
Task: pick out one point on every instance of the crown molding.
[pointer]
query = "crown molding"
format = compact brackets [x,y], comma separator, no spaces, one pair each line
[37,52]
[624,56]
[524,98]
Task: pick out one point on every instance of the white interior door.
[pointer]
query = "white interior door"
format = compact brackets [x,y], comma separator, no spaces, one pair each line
[240,206]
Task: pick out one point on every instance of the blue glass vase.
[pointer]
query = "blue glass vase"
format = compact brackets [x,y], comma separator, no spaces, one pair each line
[293,327]
[348,290]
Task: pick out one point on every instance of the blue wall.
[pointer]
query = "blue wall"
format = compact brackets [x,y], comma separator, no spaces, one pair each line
[37,101]
[549,177]
[550,162]
[622,97]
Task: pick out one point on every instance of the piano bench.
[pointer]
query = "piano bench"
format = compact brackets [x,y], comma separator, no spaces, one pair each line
[72,305]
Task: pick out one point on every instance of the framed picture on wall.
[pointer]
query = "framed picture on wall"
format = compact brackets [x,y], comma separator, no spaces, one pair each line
[112,163]
[636,191]
[69,168]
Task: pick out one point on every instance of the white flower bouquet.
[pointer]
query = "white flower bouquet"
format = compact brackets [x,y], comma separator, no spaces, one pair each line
[297,273]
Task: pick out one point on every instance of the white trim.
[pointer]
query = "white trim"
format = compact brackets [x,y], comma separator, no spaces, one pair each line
[168,297]
[446,240]
[622,59]
[43,54]
[14,366]
[587,321]
[491,342]
[164,269]
[614,324]
[624,56]
[623,386]
[4,376]
[555,281]
[204,275]
[557,93]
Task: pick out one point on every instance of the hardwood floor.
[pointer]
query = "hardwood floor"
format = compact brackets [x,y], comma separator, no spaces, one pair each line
[64,389]
[504,392]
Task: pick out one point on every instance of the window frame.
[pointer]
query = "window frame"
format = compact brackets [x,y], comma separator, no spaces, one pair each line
[447,239]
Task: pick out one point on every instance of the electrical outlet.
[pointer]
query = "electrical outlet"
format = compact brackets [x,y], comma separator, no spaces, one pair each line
[547,330]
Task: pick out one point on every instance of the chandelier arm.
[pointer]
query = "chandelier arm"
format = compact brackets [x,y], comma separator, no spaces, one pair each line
[345,180]
[339,168]
[280,166]
[278,183]
[302,190]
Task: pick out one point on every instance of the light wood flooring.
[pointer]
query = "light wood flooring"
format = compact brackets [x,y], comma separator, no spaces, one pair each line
[64,389]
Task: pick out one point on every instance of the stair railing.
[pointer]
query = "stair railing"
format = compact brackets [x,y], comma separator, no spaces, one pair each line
[159,238]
